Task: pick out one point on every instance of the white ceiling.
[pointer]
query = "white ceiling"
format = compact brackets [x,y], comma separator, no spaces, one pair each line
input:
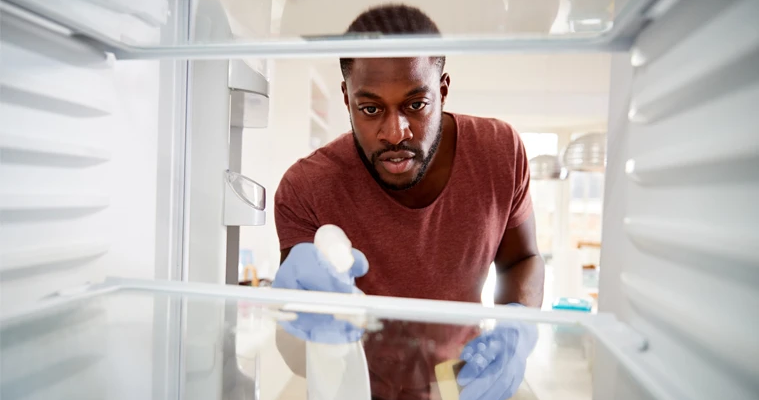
[566,92]
[557,73]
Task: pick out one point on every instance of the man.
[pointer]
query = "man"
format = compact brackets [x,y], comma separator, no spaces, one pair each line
[430,199]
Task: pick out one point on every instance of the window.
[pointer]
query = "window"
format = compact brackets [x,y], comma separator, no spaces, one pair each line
[536,144]
[586,185]
[585,206]
[543,193]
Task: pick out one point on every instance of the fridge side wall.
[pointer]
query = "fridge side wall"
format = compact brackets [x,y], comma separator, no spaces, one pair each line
[79,158]
[679,262]
[90,157]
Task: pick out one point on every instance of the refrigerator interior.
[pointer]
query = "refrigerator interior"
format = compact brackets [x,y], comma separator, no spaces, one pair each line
[117,135]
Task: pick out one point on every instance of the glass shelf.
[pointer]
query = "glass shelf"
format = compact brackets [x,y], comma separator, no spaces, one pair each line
[140,339]
[278,28]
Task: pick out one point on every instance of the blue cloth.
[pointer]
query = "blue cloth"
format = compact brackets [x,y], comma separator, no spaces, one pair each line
[496,361]
[305,268]
[571,303]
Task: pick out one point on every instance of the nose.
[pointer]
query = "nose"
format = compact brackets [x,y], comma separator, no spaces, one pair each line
[395,129]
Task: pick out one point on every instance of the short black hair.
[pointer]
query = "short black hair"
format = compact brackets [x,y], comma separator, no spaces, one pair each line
[392,19]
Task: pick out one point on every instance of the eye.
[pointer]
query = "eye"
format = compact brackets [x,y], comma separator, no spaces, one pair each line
[370,110]
[417,105]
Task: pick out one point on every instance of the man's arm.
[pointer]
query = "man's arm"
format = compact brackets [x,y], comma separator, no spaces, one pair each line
[291,217]
[498,371]
[519,266]
[283,254]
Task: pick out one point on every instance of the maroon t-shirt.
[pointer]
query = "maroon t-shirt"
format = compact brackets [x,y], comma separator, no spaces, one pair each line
[442,251]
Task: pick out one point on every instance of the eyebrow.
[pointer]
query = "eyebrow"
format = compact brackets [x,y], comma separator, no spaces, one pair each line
[419,90]
[374,96]
[367,94]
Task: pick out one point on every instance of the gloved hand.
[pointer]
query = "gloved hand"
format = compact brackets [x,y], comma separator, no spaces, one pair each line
[305,268]
[496,361]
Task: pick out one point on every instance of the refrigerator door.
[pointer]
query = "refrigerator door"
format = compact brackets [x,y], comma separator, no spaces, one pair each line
[268,29]
[103,343]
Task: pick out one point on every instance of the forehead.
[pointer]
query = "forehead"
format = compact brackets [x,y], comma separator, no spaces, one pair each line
[381,72]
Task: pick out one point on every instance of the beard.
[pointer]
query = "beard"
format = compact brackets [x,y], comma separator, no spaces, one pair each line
[423,159]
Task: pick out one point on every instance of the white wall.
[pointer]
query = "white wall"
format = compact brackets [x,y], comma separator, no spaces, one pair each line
[535,93]
[339,120]
[269,152]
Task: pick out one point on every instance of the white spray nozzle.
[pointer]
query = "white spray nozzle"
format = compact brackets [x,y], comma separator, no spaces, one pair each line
[332,242]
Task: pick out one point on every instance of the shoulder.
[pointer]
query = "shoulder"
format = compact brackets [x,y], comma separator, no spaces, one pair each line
[483,125]
[325,165]
[491,135]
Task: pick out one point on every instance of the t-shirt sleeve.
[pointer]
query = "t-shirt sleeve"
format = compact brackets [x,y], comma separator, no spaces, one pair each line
[293,216]
[521,204]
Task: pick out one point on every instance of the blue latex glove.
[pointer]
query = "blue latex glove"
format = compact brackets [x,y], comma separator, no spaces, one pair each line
[496,360]
[305,268]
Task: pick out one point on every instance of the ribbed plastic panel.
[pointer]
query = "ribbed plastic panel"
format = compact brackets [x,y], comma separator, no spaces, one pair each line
[56,106]
[692,167]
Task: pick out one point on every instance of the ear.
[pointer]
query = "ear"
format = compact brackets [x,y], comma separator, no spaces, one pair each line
[344,88]
[445,84]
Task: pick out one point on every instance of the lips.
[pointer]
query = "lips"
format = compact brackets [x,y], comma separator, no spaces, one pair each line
[396,155]
[397,162]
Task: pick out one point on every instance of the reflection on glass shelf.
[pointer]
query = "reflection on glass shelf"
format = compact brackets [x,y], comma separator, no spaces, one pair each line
[154,23]
[152,345]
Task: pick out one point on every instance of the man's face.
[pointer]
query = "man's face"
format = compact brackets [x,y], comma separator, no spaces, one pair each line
[396,111]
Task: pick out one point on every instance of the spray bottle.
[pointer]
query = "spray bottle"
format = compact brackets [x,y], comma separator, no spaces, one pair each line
[337,372]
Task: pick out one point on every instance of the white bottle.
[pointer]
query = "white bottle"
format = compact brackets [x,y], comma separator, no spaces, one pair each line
[335,246]
[336,372]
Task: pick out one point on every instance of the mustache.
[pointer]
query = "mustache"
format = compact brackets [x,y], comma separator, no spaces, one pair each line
[397,147]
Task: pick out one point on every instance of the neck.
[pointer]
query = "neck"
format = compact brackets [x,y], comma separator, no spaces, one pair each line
[438,172]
